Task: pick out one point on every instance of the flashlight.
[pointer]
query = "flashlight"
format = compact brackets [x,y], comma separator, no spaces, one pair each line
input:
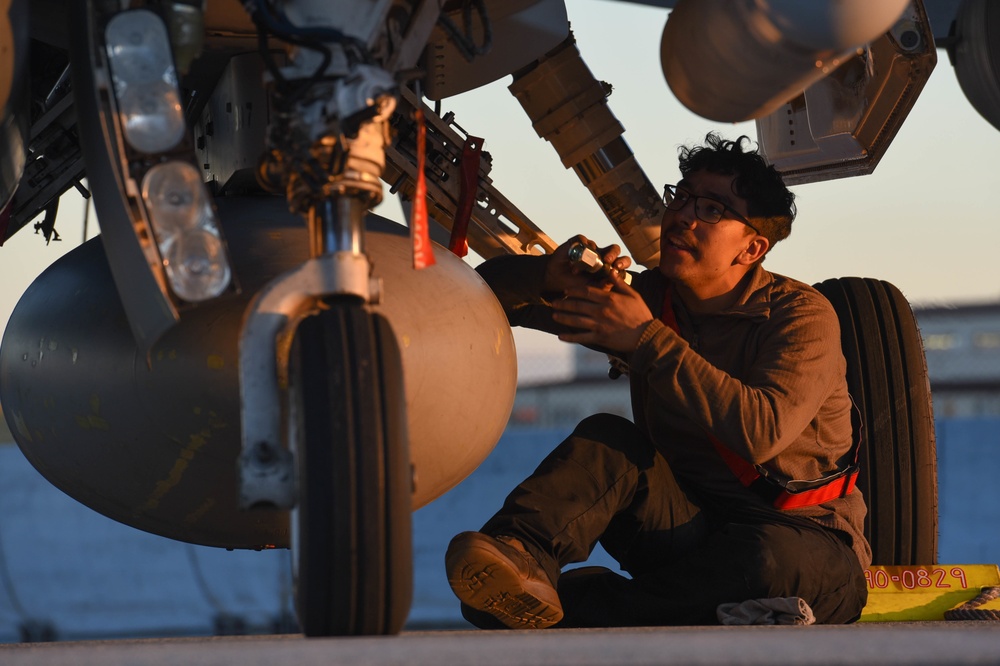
[591,262]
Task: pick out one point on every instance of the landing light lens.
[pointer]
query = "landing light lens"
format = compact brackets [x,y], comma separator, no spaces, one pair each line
[196,264]
[175,194]
[186,230]
[145,81]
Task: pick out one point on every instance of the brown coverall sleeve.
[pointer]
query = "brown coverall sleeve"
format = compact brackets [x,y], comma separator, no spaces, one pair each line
[516,280]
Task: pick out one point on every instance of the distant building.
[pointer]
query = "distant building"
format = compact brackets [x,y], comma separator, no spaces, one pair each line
[962,344]
[588,390]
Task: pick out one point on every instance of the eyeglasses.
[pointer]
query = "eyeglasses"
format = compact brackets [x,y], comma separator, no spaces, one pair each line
[705,209]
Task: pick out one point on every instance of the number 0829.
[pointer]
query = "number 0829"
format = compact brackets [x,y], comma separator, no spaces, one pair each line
[915,578]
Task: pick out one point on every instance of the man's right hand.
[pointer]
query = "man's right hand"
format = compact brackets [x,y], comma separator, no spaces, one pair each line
[562,273]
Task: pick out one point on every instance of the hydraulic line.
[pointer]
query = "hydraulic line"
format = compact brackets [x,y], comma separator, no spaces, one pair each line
[568,108]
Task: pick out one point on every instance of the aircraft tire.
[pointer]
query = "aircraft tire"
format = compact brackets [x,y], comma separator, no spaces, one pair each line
[352,541]
[887,377]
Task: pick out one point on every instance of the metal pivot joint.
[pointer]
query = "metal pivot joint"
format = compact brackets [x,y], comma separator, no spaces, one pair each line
[568,107]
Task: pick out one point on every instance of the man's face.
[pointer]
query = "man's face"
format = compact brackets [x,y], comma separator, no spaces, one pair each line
[705,257]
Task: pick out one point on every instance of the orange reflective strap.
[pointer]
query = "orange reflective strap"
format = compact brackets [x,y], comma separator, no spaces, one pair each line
[743,469]
[839,487]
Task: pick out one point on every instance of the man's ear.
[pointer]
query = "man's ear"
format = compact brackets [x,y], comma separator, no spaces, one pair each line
[754,252]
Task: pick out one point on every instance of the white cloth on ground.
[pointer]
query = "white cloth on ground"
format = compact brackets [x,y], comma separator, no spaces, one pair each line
[778,610]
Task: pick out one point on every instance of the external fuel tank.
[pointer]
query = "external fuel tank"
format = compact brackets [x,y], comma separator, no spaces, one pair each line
[152,440]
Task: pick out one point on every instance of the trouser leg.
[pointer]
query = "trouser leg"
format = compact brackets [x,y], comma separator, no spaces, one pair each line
[735,563]
[604,482]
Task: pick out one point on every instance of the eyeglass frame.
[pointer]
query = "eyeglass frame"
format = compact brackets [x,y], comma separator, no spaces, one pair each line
[733,214]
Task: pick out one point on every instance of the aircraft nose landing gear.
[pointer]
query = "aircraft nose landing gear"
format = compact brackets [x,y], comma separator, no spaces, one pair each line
[314,333]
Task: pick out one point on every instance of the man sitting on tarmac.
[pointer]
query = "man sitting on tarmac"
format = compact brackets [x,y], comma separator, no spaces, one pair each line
[734,483]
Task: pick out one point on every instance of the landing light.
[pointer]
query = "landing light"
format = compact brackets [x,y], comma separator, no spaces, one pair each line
[186,229]
[145,81]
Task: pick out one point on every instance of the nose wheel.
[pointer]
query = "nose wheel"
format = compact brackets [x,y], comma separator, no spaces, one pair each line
[351,529]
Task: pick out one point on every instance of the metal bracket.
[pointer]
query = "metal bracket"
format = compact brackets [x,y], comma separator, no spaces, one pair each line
[54,165]
[266,466]
[498,227]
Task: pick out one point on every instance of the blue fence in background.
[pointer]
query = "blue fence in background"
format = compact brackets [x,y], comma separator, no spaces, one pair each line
[68,570]
[968,490]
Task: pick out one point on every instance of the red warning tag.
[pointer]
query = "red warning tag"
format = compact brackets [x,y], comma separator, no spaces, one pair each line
[423,254]
[458,243]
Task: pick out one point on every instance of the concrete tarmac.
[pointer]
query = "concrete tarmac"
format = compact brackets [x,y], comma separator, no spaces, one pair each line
[912,644]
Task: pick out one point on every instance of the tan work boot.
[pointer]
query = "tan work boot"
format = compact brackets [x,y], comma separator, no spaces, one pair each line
[498,576]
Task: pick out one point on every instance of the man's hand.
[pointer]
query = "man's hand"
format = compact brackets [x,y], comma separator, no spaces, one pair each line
[610,318]
[562,274]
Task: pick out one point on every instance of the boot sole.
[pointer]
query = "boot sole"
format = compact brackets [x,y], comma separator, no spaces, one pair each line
[485,579]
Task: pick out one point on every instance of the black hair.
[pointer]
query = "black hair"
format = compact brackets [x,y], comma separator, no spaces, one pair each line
[770,205]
